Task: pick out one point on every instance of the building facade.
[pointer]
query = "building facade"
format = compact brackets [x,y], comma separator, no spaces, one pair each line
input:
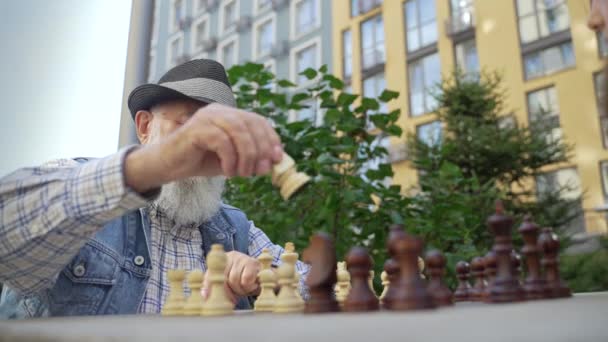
[549,59]
[286,36]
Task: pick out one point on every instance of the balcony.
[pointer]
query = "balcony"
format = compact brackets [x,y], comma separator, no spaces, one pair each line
[461,21]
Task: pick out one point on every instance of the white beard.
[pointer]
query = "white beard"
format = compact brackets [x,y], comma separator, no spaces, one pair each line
[193,200]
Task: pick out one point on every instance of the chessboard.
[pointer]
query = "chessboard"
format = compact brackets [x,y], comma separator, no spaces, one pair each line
[494,299]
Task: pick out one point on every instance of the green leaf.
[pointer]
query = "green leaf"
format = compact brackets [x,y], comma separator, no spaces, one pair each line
[394,130]
[323,68]
[285,84]
[388,95]
[370,104]
[299,97]
[309,73]
[334,82]
[332,116]
[346,100]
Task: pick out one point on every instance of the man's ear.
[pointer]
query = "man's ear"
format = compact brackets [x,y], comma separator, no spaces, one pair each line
[143,121]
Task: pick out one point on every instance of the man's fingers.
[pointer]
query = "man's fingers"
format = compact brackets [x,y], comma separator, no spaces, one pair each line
[234,281]
[230,294]
[242,139]
[249,278]
[221,144]
[257,126]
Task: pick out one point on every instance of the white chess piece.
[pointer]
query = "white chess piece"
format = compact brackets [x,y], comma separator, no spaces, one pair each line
[218,303]
[267,299]
[343,284]
[194,303]
[174,304]
[288,300]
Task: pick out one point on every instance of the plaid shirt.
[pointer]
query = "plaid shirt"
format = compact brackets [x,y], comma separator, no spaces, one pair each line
[48,213]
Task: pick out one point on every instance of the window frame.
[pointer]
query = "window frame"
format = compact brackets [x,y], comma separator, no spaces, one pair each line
[419,59]
[537,21]
[293,35]
[272,18]
[603,179]
[194,32]
[293,53]
[232,28]
[234,38]
[379,64]
[602,116]
[418,27]
[543,49]
[344,55]
[555,117]
[169,53]
[257,10]
[174,27]
[462,42]
[431,124]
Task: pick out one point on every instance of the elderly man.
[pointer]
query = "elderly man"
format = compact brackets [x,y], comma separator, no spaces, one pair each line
[92,237]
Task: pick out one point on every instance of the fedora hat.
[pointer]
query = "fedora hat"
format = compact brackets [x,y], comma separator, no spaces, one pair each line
[202,80]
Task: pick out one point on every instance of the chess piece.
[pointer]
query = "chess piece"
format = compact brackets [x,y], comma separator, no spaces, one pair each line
[409,292]
[287,178]
[396,231]
[360,297]
[217,304]
[516,264]
[421,267]
[321,256]
[343,285]
[489,264]
[480,285]
[370,282]
[555,285]
[194,303]
[288,300]
[291,256]
[504,288]
[534,285]
[174,305]
[266,300]
[389,275]
[463,290]
[442,296]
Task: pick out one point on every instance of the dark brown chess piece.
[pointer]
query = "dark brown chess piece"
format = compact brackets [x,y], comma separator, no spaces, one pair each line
[505,288]
[435,265]
[321,256]
[516,264]
[549,242]
[360,297]
[534,284]
[391,267]
[479,286]
[463,291]
[409,292]
[396,232]
[489,263]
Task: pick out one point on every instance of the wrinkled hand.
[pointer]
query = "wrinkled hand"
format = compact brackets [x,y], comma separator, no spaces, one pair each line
[241,277]
[216,140]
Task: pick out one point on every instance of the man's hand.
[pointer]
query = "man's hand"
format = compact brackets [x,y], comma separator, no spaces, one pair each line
[241,277]
[216,140]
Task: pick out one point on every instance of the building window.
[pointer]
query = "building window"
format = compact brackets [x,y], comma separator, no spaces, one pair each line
[604,173]
[305,17]
[347,54]
[155,24]
[200,6]
[262,5]
[306,55]
[602,104]
[602,44]
[420,23]
[541,18]
[200,33]
[430,134]
[567,184]
[372,42]
[152,66]
[373,86]
[228,51]
[543,105]
[363,6]
[466,57]
[424,75]
[264,36]
[175,50]
[228,15]
[307,113]
[177,15]
[549,60]
[462,15]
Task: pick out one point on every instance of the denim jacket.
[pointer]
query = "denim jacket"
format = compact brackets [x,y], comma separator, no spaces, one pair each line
[110,273]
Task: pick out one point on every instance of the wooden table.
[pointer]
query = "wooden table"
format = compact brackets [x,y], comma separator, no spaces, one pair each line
[581,318]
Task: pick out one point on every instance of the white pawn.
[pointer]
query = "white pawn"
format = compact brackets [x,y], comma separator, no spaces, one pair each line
[370,282]
[218,303]
[288,300]
[267,299]
[343,284]
[385,284]
[174,305]
[194,303]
